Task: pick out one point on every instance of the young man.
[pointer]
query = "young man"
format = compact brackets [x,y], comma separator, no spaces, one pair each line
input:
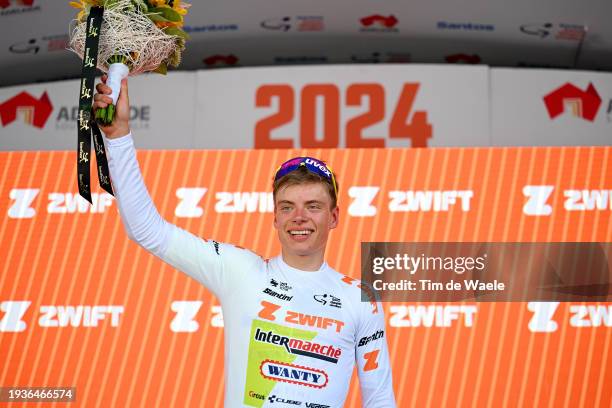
[295,327]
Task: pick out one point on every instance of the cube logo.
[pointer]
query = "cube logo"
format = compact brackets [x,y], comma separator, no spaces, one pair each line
[35,111]
[582,104]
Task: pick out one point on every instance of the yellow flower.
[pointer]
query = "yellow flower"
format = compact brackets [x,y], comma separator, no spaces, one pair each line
[181,8]
[157,3]
[84,5]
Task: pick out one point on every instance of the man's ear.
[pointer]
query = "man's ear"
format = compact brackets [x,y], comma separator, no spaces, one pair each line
[275,222]
[335,218]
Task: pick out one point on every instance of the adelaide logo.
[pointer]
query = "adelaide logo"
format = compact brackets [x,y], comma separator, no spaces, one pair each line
[582,104]
[35,111]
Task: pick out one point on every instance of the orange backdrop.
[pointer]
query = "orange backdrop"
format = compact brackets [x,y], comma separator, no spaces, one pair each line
[74,258]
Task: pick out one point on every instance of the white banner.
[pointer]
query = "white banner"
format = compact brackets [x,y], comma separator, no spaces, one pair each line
[343,106]
[43,116]
[551,108]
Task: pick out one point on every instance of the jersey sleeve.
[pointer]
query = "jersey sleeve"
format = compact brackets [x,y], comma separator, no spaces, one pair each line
[217,266]
[372,358]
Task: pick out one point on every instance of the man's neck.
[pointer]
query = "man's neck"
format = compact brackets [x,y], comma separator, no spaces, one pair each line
[310,263]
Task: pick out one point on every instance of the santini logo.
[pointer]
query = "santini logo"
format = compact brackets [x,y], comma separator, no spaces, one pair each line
[294,374]
[582,104]
[35,111]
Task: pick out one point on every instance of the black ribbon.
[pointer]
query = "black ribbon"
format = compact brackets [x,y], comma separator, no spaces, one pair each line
[85,122]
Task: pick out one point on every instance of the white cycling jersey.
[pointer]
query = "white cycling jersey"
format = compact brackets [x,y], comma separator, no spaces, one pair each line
[292,337]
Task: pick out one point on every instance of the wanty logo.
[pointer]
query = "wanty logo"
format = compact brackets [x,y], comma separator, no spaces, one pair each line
[294,374]
[36,111]
[583,104]
[379,23]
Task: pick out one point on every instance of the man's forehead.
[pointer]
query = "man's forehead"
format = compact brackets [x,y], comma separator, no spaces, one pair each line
[303,192]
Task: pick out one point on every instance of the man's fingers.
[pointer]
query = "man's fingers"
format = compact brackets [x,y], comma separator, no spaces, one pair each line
[103,89]
[123,94]
[99,105]
[103,98]
[104,77]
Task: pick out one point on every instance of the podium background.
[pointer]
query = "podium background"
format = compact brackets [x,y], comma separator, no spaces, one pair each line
[506,357]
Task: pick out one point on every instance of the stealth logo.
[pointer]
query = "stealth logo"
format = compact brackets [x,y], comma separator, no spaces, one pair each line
[582,104]
[35,111]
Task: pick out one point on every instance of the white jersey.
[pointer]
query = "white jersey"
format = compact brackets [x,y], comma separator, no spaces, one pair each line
[292,338]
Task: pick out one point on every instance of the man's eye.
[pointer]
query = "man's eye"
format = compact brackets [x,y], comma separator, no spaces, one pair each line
[314,206]
[285,208]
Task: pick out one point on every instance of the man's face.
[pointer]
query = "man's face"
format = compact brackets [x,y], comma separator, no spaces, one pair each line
[303,218]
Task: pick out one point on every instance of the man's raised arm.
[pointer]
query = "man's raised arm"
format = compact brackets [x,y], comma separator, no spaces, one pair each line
[203,260]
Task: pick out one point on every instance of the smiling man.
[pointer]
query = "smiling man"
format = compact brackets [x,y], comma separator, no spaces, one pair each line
[295,328]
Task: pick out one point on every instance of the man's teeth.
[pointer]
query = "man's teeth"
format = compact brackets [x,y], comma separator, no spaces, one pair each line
[302,232]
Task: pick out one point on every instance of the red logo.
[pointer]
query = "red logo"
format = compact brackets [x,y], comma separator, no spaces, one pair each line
[7,3]
[583,104]
[36,111]
[388,22]
[463,58]
[218,60]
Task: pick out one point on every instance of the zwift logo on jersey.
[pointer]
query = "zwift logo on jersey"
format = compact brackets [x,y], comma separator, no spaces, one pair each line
[35,111]
[293,374]
[582,104]
[299,346]
[302,319]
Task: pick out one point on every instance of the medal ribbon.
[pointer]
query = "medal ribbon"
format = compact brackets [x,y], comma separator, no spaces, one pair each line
[85,122]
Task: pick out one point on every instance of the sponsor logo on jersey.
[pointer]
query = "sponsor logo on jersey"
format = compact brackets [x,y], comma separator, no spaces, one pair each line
[328,300]
[300,347]
[365,340]
[280,285]
[277,295]
[256,395]
[274,398]
[269,309]
[216,245]
[294,374]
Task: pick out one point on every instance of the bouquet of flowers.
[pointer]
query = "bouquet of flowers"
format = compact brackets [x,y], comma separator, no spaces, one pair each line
[136,36]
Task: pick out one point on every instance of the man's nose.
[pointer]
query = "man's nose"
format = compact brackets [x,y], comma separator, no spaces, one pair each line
[300,215]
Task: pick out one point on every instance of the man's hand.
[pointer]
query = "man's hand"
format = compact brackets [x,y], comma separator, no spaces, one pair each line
[121,123]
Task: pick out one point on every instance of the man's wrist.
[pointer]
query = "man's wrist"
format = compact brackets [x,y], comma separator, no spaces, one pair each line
[117,133]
